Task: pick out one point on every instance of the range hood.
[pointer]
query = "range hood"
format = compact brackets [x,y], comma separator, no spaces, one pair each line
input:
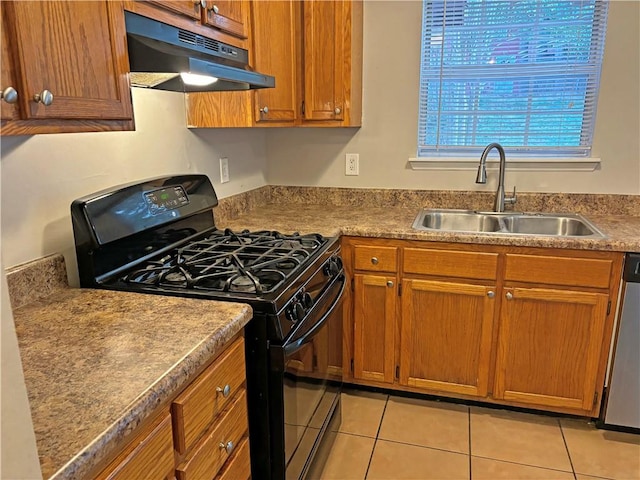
[160,55]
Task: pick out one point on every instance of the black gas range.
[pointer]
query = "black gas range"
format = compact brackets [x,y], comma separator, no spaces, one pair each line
[159,236]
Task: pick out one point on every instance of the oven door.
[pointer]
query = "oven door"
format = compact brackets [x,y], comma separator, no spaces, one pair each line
[308,368]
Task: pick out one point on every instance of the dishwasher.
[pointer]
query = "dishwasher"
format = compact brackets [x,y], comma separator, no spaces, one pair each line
[623,401]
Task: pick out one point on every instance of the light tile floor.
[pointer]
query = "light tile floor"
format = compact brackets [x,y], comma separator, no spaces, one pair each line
[387,437]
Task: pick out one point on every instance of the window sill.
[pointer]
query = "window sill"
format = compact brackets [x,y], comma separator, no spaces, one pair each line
[522,164]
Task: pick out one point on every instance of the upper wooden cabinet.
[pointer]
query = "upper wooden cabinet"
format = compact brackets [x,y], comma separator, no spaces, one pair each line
[229,16]
[276,46]
[68,63]
[313,48]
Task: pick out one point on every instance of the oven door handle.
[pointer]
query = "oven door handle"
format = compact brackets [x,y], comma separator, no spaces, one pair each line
[295,344]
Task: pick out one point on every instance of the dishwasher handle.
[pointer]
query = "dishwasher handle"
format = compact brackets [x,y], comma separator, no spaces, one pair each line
[632,268]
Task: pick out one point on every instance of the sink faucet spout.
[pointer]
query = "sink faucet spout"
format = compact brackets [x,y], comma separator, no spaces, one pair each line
[500,198]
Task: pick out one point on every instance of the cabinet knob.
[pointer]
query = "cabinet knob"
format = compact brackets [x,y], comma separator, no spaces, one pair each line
[45,97]
[202,3]
[389,283]
[337,111]
[264,110]
[226,390]
[491,294]
[509,295]
[9,95]
[228,447]
[374,260]
[215,9]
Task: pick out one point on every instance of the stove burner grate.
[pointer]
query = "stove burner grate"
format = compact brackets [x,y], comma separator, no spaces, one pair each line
[247,262]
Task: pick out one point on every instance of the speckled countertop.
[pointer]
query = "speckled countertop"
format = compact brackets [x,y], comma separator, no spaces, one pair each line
[97,362]
[622,231]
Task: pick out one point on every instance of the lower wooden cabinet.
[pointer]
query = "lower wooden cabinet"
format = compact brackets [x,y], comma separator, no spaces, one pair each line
[549,347]
[150,455]
[203,435]
[446,336]
[373,327]
[528,327]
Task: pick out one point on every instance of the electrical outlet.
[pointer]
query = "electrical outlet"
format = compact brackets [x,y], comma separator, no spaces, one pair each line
[224,170]
[352,164]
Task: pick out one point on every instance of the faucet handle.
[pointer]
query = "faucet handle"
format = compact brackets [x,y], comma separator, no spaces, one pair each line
[511,200]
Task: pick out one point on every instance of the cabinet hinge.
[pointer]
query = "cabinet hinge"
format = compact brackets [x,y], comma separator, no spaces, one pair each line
[352,365]
[303,107]
[399,289]
[595,398]
[609,307]
[397,372]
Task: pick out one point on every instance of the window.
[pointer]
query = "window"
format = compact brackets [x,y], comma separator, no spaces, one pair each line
[524,73]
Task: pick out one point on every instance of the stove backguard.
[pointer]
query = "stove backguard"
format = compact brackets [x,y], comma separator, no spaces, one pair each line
[124,224]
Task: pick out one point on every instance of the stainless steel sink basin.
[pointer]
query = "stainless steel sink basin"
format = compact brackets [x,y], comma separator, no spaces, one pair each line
[546,224]
[460,221]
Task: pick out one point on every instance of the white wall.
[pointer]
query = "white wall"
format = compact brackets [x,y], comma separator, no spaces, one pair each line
[392,30]
[43,174]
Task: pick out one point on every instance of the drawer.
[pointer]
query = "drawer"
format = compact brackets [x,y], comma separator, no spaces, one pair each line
[208,456]
[574,272]
[238,467]
[376,259]
[451,263]
[204,399]
[149,456]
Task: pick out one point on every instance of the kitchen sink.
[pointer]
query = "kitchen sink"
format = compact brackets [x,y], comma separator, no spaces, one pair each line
[508,223]
[460,221]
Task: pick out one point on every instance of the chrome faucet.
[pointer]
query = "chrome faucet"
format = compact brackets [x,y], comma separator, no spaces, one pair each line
[482,177]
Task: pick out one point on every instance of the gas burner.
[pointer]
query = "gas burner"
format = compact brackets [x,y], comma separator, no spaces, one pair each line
[224,260]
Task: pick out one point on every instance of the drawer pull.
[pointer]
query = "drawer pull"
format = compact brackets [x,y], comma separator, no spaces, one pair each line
[491,294]
[227,447]
[374,260]
[509,295]
[226,390]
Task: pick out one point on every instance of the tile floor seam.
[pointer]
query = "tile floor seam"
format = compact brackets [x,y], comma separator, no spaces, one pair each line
[423,446]
[356,435]
[566,446]
[375,440]
[523,464]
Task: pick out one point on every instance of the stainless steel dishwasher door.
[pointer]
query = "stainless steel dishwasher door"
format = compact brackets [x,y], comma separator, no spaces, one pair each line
[623,404]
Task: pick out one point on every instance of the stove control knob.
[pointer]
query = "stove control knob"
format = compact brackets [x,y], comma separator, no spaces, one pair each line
[299,309]
[307,300]
[335,264]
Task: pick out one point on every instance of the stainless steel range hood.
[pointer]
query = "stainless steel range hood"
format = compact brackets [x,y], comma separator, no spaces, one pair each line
[160,53]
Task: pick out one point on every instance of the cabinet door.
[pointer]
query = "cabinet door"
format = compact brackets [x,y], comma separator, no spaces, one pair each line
[323,33]
[75,50]
[549,346]
[275,48]
[373,324]
[446,336]
[8,105]
[189,8]
[230,16]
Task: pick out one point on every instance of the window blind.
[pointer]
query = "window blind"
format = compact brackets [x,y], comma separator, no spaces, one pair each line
[524,73]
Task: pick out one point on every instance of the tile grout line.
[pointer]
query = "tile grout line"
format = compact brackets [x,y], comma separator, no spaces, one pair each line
[469,430]
[526,465]
[375,441]
[566,446]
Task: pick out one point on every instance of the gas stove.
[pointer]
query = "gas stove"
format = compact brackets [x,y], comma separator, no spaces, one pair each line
[159,237]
